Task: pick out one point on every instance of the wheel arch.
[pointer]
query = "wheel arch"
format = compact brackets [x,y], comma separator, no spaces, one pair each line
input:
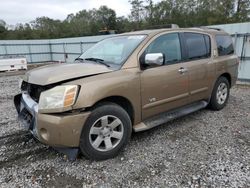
[121,101]
[228,77]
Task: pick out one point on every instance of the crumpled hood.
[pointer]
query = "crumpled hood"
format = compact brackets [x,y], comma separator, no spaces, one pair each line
[59,72]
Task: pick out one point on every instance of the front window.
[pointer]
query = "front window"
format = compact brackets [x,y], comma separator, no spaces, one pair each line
[169,45]
[114,50]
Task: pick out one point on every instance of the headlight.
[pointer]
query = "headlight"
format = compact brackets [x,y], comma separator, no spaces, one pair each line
[58,97]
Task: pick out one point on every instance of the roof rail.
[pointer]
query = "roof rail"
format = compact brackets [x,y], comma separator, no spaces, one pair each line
[173,26]
[214,28]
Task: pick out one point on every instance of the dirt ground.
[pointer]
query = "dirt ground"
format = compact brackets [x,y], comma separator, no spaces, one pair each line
[204,149]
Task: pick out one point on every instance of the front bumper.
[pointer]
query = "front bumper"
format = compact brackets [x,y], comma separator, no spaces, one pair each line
[56,130]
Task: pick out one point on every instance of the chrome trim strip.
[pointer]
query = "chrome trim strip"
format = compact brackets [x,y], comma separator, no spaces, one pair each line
[33,108]
[30,102]
[163,101]
[199,90]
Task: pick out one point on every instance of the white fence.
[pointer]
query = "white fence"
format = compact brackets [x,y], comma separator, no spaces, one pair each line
[36,51]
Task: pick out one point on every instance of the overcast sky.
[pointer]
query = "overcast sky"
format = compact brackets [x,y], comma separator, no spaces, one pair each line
[23,11]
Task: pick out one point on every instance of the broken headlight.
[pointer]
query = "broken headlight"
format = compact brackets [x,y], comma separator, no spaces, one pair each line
[58,97]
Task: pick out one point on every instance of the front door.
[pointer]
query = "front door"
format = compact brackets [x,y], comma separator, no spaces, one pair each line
[164,87]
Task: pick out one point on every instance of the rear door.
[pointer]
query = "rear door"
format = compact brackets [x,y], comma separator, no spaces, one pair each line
[164,87]
[199,64]
[226,61]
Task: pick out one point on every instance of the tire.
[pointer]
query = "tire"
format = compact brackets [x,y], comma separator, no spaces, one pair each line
[108,124]
[219,100]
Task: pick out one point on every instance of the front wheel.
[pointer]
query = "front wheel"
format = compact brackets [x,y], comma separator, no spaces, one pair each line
[106,132]
[220,94]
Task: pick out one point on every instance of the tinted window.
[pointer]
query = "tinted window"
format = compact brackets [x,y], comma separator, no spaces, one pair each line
[198,45]
[208,45]
[169,45]
[224,45]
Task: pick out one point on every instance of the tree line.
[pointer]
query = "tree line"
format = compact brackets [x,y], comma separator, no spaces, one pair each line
[144,14]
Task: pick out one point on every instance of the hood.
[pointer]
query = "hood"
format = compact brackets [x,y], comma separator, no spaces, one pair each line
[59,72]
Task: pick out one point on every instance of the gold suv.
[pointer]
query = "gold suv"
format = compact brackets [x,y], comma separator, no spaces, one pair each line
[133,81]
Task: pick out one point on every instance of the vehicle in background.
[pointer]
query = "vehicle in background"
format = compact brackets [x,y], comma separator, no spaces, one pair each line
[13,63]
[133,81]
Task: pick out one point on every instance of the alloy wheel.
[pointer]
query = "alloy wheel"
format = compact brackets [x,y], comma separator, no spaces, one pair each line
[106,133]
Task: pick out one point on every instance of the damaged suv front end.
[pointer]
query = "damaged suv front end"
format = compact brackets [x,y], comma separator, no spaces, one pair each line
[47,111]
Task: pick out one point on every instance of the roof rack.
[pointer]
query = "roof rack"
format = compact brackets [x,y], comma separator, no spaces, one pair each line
[214,28]
[173,26]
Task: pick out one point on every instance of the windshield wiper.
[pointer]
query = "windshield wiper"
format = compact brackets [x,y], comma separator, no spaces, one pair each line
[79,59]
[101,61]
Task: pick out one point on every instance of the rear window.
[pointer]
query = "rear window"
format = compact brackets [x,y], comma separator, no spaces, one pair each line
[224,45]
[198,45]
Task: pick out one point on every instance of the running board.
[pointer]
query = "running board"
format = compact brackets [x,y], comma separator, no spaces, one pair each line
[168,116]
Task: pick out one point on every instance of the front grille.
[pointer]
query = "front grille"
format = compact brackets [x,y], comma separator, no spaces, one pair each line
[34,90]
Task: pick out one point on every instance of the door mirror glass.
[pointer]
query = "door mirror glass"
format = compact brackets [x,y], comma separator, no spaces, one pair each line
[154,59]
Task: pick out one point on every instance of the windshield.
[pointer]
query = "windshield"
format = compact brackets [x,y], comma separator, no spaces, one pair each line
[113,50]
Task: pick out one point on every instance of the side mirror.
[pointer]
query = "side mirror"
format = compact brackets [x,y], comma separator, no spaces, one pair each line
[154,59]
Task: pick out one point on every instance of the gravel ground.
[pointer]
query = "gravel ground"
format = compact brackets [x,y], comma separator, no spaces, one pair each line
[204,149]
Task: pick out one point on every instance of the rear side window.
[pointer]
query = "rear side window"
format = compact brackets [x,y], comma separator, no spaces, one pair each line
[198,45]
[224,45]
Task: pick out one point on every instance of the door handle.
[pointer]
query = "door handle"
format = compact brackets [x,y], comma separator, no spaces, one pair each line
[182,70]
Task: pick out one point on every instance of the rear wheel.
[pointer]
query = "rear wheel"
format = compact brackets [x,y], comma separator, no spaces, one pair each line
[220,94]
[105,132]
